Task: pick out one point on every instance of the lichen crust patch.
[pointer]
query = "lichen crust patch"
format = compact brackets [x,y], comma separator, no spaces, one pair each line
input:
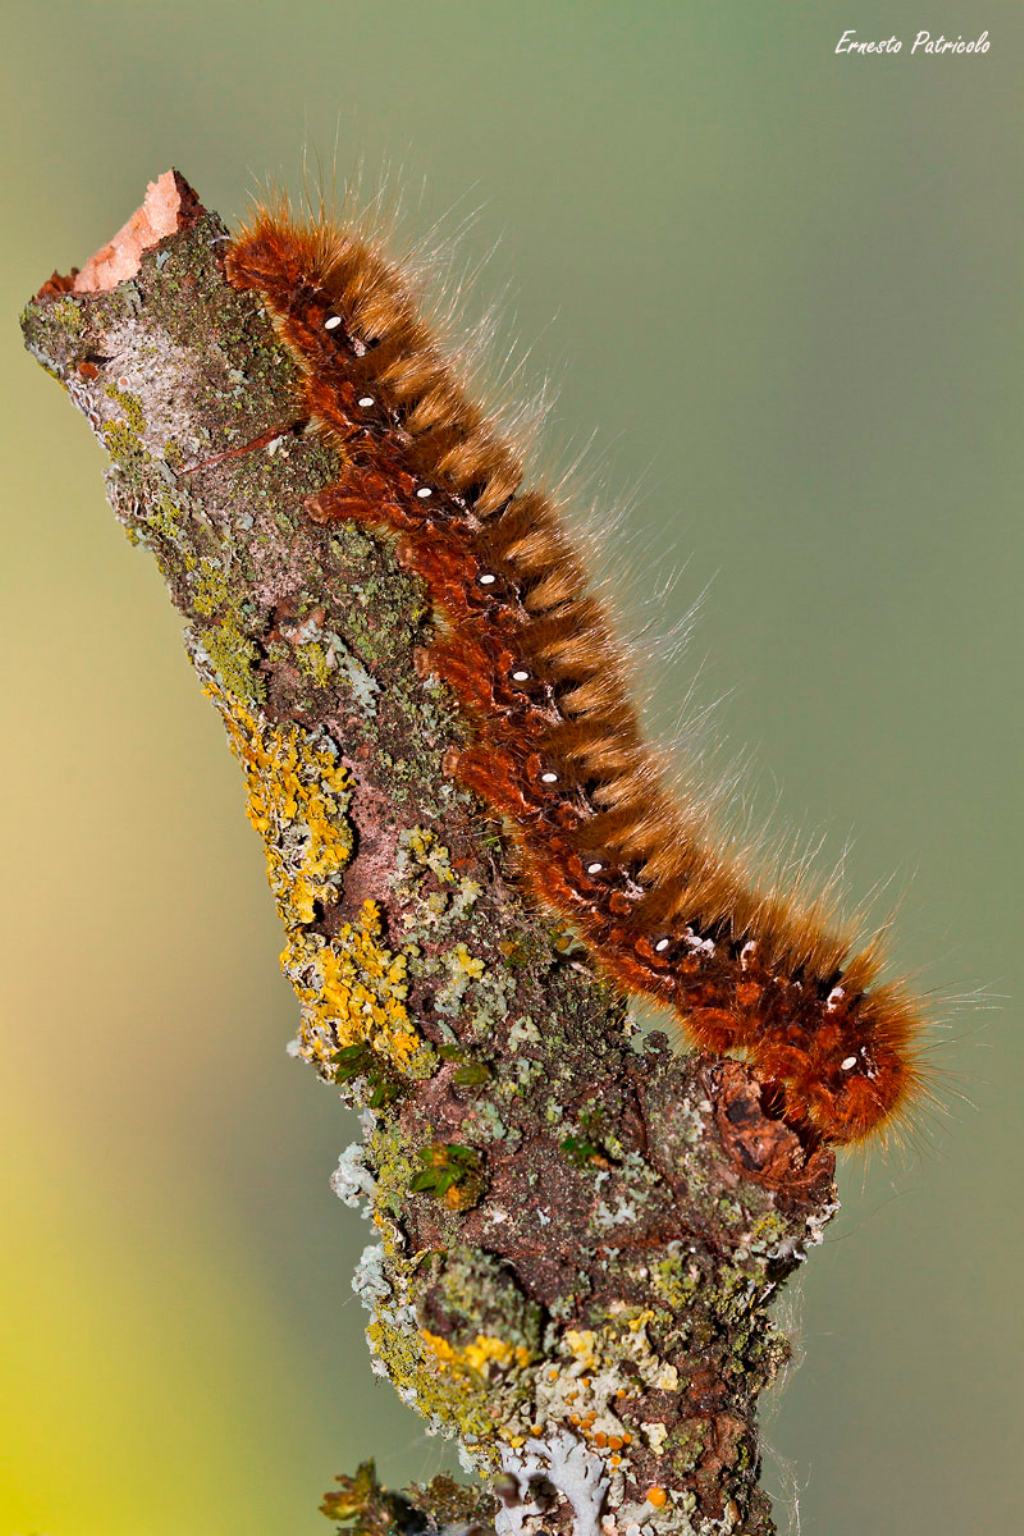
[351,986]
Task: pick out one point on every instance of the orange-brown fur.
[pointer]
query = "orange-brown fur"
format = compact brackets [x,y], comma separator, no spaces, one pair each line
[745,969]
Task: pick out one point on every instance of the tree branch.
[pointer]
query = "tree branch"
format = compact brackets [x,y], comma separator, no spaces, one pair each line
[577,1232]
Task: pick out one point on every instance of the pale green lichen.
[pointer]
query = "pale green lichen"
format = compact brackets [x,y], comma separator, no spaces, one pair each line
[363,684]
[131,408]
[164,516]
[123,444]
[235,656]
[68,314]
[210,589]
[675,1279]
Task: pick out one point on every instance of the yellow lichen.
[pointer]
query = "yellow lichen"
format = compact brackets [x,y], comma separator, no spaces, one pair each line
[468,963]
[298,796]
[485,1350]
[433,855]
[131,407]
[352,988]
[580,1342]
[314,663]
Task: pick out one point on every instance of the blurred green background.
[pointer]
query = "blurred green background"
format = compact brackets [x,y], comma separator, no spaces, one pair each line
[782,291]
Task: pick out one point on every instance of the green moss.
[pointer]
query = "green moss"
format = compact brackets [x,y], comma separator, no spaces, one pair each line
[448,1172]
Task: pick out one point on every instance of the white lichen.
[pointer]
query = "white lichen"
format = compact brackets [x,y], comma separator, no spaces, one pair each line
[566,1463]
[352,1181]
[370,1281]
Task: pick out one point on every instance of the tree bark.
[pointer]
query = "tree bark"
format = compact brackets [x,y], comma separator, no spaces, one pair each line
[576,1231]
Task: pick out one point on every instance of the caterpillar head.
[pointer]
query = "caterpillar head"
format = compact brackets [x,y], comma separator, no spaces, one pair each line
[861,1072]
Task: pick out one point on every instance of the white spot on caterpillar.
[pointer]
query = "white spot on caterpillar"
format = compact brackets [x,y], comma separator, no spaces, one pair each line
[661,946]
[747,952]
[487,579]
[365,401]
[520,675]
[595,868]
[332,322]
[699,946]
[832,1001]
[848,1064]
[423,492]
[549,778]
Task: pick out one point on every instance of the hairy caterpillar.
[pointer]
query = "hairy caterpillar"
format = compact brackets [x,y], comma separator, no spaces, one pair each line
[558,749]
